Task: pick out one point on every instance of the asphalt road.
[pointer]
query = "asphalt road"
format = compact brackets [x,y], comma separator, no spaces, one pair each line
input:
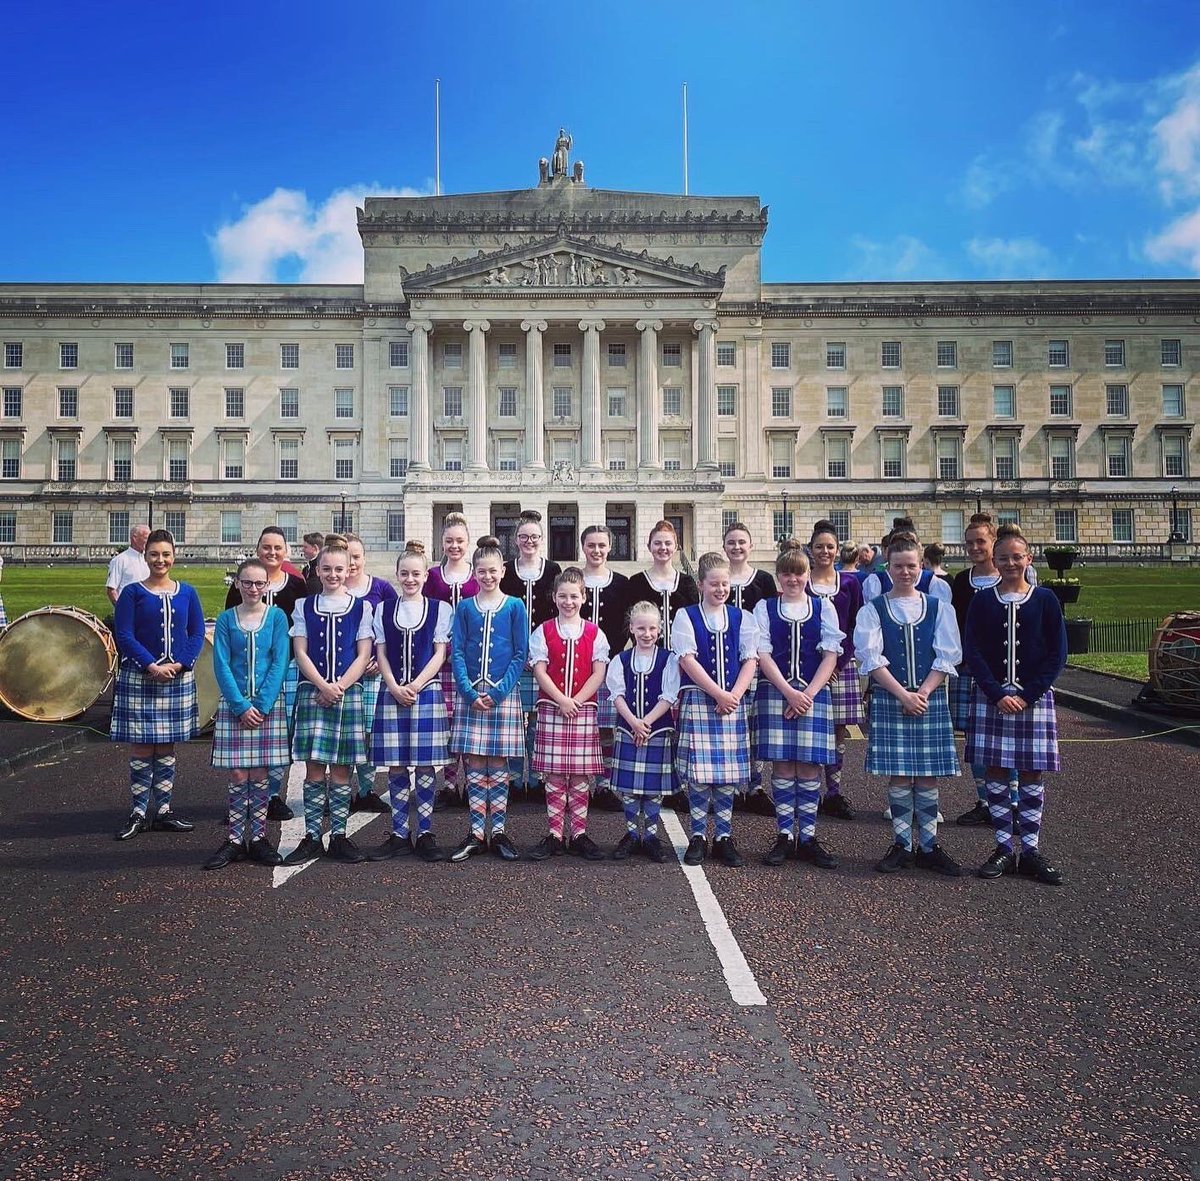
[571,1020]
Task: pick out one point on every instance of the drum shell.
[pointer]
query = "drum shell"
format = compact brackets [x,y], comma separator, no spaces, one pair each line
[208,693]
[1174,659]
[55,662]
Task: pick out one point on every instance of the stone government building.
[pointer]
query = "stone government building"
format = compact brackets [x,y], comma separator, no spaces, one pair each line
[600,356]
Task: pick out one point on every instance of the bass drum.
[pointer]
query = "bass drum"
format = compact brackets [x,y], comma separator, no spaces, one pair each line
[1175,660]
[55,663]
[208,695]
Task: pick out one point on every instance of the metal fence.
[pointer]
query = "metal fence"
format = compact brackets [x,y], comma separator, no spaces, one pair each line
[1123,635]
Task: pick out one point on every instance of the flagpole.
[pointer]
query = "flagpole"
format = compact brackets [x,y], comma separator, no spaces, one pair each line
[437,136]
[685,141]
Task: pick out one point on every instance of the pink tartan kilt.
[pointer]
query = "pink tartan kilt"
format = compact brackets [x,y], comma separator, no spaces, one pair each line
[567,746]
[447,678]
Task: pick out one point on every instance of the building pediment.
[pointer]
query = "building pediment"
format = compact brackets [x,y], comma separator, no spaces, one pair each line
[563,262]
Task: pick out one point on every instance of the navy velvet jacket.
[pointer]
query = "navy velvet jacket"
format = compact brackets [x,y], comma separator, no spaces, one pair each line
[1022,644]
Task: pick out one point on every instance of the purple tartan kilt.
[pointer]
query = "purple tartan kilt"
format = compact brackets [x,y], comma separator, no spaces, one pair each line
[239,749]
[567,746]
[497,734]
[412,736]
[845,696]
[606,712]
[793,740]
[712,750]
[900,745]
[150,712]
[1027,741]
[960,698]
[644,770]
[334,735]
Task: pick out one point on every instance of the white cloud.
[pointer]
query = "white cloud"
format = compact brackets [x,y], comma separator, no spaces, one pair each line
[984,181]
[903,257]
[1010,258]
[1178,243]
[1177,137]
[320,239]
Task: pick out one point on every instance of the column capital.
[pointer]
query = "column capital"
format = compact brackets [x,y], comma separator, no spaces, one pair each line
[476,325]
[419,326]
[534,325]
[701,325]
[649,325]
[591,325]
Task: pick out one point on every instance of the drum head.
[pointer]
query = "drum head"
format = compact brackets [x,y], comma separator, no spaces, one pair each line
[54,663]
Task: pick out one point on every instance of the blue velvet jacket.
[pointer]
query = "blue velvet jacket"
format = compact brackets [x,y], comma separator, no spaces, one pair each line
[250,666]
[159,629]
[488,649]
[1016,647]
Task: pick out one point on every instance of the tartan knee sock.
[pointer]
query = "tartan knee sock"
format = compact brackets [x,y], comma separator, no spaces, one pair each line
[425,794]
[139,784]
[365,774]
[925,805]
[783,792]
[698,801]
[900,801]
[980,773]
[577,805]
[1029,813]
[631,806]
[162,782]
[808,796]
[477,801]
[1000,811]
[314,807]
[516,770]
[723,809]
[339,808]
[239,805]
[833,771]
[651,809]
[497,800]
[260,796]
[275,779]
[556,804]
[400,793]
[604,779]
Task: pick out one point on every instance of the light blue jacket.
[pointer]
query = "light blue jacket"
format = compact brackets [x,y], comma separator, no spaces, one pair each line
[488,651]
[250,666]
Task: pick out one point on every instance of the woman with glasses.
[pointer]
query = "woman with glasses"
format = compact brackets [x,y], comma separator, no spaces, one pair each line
[531,579]
[283,590]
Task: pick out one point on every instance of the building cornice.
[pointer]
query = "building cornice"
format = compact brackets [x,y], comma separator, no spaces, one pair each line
[917,309]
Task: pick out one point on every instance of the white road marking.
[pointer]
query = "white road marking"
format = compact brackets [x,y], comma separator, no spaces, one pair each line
[738,977]
[291,832]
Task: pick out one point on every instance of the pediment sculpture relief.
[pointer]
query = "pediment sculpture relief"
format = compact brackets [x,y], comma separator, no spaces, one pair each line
[561,269]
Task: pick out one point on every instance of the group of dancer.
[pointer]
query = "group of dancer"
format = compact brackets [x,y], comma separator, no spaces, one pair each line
[643,686]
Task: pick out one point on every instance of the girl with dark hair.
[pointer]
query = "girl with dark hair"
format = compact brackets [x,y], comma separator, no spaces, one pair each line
[664,584]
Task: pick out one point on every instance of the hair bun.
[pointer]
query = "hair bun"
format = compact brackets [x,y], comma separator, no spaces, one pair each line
[415,547]
[488,542]
[338,539]
[981,519]
[904,535]
[1010,529]
[903,525]
[787,544]
[530,516]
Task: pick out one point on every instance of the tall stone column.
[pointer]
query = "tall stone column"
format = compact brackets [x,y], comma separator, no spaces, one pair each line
[590,420]
[476,394]
[418,408]
[535,395]
[706,403]
[649,410]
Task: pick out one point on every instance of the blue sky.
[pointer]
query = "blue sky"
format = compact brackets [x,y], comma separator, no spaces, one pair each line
[927,140]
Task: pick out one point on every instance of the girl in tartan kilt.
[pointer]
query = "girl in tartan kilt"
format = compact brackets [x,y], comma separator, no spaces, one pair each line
[159,629]
[411,728]
[332,637]
[568,656]
[531,579]
[717,646]
[489,647]
[606,604]
[251,652]
[284,590]
[643,682]
[1012,721]
[451,581]
[908,643]
[799,642]
[844,591]
[979,541]
[378,594]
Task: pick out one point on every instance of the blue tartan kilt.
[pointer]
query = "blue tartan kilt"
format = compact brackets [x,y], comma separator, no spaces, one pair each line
[644,770]
[1027,741]
[3,614]
[498,734]
[793,740]
[413,736]
[334,735]
[291,682]
[918,746]
[606,712]
[845,696]
[239,749]
[150,712]
[567,746]
[960,697]
[712,750]
[370,688]
[529,692]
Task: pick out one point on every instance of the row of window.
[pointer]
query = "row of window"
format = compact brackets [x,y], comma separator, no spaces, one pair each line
[180,355]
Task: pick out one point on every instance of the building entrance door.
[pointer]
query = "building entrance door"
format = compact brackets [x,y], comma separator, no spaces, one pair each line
[564,529]
[505,518]
[619,519]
